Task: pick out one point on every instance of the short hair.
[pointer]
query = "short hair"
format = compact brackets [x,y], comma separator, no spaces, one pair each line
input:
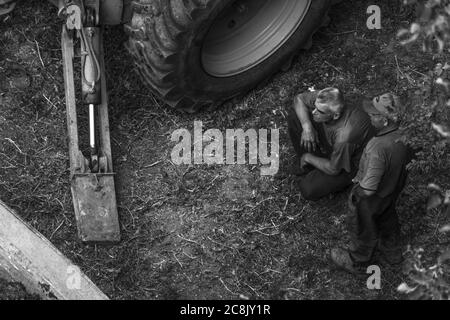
[333,97]
[395,108]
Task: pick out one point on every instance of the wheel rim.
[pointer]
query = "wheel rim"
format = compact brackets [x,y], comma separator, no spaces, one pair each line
[248,32]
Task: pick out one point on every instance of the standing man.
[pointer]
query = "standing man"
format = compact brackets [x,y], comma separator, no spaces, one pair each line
[328,137]
[372,219]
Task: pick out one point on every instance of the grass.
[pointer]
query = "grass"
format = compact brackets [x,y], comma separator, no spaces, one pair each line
[199,232]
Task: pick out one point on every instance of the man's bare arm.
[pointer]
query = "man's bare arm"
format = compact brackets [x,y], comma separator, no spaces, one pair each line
[322,164]
[309,138]
[370,182]
[302,113]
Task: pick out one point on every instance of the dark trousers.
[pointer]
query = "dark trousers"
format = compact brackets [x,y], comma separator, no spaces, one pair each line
[373,223]
[316,183]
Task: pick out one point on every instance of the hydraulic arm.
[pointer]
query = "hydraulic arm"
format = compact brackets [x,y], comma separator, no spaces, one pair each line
[91,175]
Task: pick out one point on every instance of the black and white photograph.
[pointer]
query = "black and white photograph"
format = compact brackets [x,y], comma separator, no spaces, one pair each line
[224,157]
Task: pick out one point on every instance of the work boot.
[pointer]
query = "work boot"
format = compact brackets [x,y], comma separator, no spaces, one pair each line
[343,259]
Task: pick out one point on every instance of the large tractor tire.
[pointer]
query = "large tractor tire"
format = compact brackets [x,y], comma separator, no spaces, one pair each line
[6,6]
[194,53]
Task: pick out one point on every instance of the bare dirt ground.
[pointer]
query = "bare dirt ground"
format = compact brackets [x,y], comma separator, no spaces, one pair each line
[200,232]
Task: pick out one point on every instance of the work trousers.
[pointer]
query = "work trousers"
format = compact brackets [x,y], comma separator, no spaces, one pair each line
[317,184]
[373,223]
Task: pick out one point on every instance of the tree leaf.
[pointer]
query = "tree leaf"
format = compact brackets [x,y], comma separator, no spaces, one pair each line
[447,197]
[434,187]
[415,28]
[404,288]
[421,278]
[438,69]
[434,201]
[441,81]
[409,40]
[445,228]
[402,32]
[441,130]
[444,257]
[418,294]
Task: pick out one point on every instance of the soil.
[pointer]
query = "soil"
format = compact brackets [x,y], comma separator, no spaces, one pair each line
[199,231]
[14,291]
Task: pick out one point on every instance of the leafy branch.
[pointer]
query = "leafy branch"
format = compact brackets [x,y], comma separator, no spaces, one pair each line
[432,30]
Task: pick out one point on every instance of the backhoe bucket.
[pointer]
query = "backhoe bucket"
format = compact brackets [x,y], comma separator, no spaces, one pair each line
[94,202]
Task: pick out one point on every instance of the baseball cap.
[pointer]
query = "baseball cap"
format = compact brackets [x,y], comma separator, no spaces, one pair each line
[387,104]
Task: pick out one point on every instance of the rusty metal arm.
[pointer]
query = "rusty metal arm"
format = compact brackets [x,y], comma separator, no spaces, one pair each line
[112,12]
[91,177]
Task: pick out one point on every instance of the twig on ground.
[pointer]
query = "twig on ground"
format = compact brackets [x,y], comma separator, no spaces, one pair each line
[286,204]
[151,165]
[422,74]
[294,289]
[39,54]
[56,230]
[189,256]
[175,256]
[211,183]
[188,240]
[268,234]
[272,270]
[335,68]
[265,227]
[220,244]
[338,33]
[256,205]
[49,101]
[223,283]
[401,72]
[17,147]
[253,289]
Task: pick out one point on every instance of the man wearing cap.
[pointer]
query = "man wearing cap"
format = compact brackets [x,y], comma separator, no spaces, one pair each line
[328,136]
[372,219]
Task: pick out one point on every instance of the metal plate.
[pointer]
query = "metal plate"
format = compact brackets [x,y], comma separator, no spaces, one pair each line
[248,32]
[95,207]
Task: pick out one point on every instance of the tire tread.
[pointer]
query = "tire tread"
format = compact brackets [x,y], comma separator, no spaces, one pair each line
[155,39]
